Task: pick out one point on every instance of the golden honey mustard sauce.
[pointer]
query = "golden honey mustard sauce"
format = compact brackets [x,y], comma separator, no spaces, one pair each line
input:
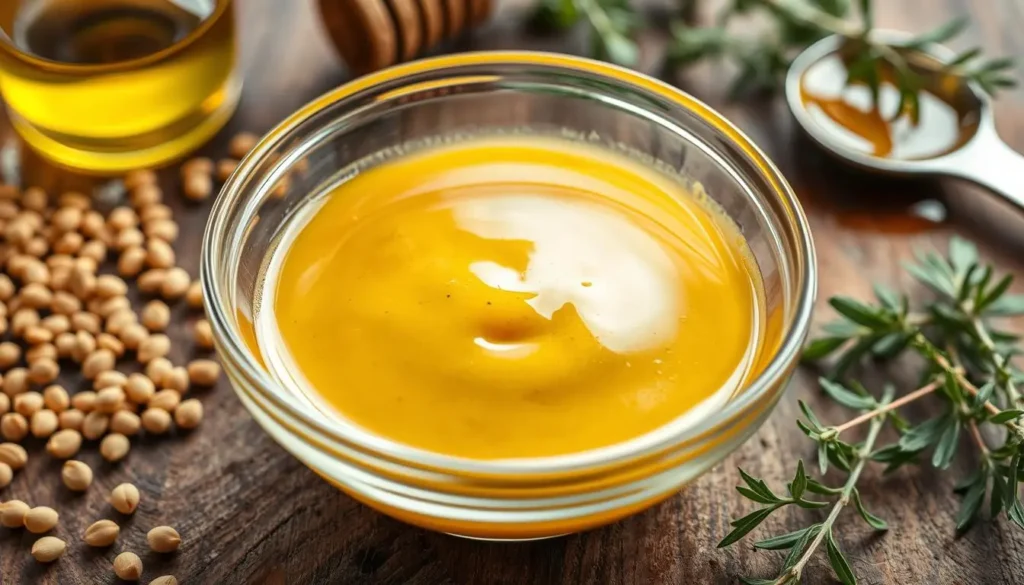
[850,115]
[512,297]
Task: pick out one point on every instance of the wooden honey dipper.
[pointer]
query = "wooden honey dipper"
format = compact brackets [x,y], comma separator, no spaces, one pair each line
[373,34]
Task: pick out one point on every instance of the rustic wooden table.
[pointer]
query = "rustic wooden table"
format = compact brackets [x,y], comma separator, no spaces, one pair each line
[250,513]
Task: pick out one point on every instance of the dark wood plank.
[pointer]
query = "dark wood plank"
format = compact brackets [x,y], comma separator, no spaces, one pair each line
[249,513]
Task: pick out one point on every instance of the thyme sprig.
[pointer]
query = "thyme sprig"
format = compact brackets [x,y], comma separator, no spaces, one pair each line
[794,24]
[791,25]
[968,373]
[611,23]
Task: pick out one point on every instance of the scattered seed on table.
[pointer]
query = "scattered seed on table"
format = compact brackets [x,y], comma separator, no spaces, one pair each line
[56,398]
[155,346]
[132,336]
[13,455]
[95,425]
[77,476]
[140,388]
[176,379]
[189,414]
[163,539]
[101,533]
[225,167]
[84,401]
[198,186]
[13,426]
[110,378]
[203,372]
[109,400]
[125,498]
[158,368]
[114,447]
[165,399]
[12,513]
[98,361]
[40,519]
[156,420]
[65,443]
[125,422]
[159,254]
[128,566]
[203,334]
[44,423]
[28,403]
[48,549]
[194,295]
[71,419]
[175,284]
[156,315]
[241,144]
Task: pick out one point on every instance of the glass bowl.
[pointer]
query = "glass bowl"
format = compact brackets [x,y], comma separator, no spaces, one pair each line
[447,98]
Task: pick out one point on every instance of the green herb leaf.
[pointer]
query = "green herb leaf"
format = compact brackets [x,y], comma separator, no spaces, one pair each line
[946,448]
[794,553]
[822,347]
[1010,495]
[999,64]
[839,563]
[816,487]
[809,414]
[971,504]
[872,520]
[1006,416]
[755,496]
[1016,513]
[796,489]
[923,435]
[939,35]
[931,279]
[745,524]
[964,57]
[1006,305]
[867,14]
[889,298]
[998,495]
[994,293]
[858,312]
[846,397]
[984,394]
[823,457]
[781,542]
[619,49]
[759,487]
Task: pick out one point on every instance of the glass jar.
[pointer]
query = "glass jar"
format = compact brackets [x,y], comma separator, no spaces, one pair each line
[414,105]
[106,86]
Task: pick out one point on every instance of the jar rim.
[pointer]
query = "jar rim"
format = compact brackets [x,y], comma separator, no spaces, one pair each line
[234,349]
[219,7]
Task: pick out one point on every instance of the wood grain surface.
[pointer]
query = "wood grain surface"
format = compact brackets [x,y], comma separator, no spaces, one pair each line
[249,513]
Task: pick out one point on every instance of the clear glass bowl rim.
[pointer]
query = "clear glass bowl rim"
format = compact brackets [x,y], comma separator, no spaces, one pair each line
[233,348]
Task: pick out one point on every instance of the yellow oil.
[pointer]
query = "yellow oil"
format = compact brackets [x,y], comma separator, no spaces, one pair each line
[111,85]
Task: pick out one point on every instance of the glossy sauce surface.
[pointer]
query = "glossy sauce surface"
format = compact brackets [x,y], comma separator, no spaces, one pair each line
[513,298]
[848,113]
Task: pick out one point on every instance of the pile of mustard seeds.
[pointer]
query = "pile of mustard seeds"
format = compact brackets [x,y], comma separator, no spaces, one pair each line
[67,269]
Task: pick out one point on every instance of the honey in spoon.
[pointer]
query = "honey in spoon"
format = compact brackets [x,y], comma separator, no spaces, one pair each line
[945,120]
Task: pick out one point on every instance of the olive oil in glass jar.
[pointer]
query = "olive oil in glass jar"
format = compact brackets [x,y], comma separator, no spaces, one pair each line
[105,86]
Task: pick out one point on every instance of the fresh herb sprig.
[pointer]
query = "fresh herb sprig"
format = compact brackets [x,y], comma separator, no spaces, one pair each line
[794,24]
[764,56]
[611,22]
[967,372]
